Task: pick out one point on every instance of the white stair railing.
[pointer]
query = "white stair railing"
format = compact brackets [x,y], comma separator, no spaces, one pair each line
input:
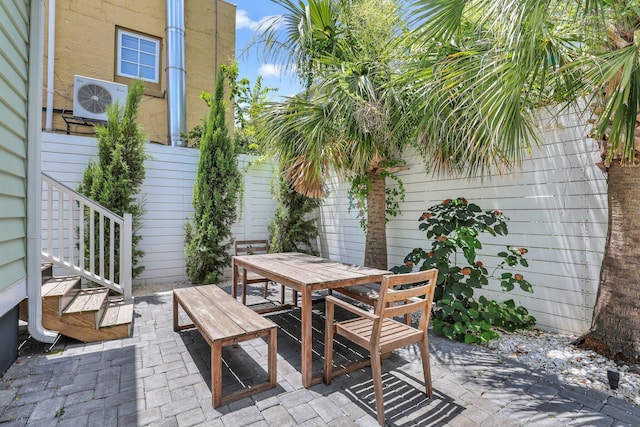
[81,235]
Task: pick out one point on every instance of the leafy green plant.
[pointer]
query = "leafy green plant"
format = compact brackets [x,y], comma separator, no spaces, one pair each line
[291,230]
[248,102]
[115,179]
[215,197]
[455,227]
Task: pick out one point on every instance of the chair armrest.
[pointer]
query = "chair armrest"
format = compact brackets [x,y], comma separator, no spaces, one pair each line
[350,307]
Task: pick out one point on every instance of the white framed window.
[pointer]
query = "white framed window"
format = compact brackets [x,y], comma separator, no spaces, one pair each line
[138,56]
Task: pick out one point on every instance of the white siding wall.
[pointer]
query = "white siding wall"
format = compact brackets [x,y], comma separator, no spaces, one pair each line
[167,192]
[557,206]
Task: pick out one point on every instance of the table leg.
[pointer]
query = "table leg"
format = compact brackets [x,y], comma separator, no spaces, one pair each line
[244,286]
[306,337]
[234,280]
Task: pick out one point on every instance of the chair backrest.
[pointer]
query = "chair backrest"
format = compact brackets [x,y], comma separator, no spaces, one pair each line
[411,299]
[251,247]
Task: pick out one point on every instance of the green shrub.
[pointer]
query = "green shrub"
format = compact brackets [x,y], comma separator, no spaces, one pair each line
[115,179]
[290,230]
[455,226]
[215,197]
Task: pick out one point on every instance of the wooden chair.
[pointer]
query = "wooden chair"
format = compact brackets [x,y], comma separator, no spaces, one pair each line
[254,247]
[379,333]
[368,293]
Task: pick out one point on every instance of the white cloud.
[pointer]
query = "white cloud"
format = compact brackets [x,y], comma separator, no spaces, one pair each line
[243,21]
[270,70]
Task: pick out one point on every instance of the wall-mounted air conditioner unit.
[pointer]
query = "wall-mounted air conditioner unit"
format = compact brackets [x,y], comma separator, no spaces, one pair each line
[91,97]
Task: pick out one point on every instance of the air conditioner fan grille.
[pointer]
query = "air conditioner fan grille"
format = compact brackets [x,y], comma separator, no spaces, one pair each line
[94,98]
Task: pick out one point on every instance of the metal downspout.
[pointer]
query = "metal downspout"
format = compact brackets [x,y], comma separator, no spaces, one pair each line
[215,51]
[34,183]
[176,72]
[51,58]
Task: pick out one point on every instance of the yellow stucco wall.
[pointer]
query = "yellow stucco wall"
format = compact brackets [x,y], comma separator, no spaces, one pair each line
[85,41]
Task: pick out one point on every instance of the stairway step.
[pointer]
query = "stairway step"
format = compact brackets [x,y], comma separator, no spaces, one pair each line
[60,286]
[90,299]
[46,269]
[117,313]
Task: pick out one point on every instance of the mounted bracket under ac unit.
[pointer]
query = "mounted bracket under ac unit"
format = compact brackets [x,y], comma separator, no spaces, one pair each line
[91,97]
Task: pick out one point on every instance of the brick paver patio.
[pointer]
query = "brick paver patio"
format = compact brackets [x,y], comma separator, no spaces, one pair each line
[161,378]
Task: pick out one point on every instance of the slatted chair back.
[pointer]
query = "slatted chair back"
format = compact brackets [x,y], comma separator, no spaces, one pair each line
[398,301]
[251,247]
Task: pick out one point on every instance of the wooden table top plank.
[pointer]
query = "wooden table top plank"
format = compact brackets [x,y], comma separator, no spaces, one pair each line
[322,269]
[285,265]
[300,270]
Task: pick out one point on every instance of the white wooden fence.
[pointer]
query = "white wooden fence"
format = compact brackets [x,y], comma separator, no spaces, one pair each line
[556,202]
[167,192]
[557,207]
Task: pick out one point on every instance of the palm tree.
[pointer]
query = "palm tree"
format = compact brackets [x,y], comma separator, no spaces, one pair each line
[349,119]
[486,66]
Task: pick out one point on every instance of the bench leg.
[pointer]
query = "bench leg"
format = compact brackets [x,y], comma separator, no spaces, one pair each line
[216,374]
[175,313]
[272,355]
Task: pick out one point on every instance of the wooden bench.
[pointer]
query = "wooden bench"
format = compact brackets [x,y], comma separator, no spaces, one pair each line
[223,321]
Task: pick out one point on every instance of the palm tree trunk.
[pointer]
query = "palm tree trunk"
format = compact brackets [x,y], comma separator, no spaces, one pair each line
[615,329]
[375,252]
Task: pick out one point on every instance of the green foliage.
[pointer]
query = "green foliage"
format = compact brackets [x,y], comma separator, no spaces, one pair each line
[116,178]
[351,119]
[248,103]
[455,226]
[215,197]
[290,230]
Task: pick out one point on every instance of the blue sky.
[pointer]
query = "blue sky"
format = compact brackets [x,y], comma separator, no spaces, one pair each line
[249,15]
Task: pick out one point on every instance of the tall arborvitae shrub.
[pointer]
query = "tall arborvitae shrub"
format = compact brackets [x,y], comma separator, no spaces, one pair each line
[291,230]
[115,180]
[215,195]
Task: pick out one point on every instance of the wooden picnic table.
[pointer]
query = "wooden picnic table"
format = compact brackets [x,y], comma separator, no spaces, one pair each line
[305,274]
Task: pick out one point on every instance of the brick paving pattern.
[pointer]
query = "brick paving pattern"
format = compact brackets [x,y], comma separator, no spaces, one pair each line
[162,378]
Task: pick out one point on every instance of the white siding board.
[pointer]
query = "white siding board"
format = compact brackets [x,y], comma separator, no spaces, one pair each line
[12,185]
[12,143]
[12,207]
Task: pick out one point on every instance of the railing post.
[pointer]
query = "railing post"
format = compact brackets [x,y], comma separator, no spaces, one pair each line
[126,256]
